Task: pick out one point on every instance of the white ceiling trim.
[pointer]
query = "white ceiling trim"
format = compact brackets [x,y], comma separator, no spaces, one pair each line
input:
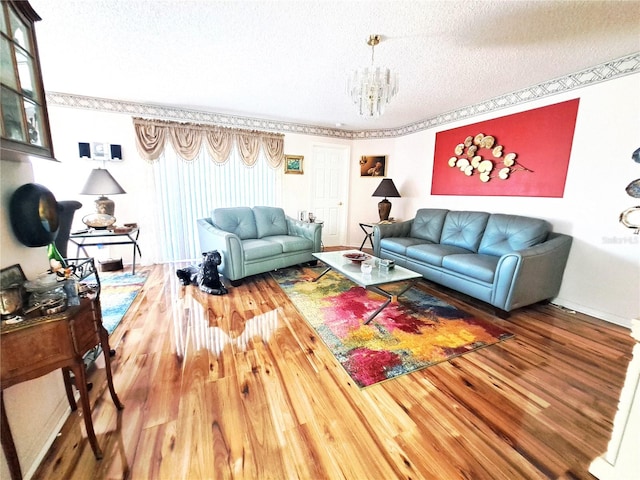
[620,67]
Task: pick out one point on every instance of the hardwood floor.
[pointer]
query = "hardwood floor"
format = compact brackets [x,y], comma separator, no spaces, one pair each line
[205,400]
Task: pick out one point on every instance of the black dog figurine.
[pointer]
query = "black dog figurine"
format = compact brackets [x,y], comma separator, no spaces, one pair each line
[205,275]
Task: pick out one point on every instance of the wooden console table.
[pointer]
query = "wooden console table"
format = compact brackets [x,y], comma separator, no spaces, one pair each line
[40,344]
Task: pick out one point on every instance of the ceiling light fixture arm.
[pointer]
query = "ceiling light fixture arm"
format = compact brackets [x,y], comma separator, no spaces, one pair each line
[373,41]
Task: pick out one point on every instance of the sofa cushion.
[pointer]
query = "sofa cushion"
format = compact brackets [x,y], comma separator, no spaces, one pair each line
[428,223]
[290,243]
[257,249]
[433,253]
[464,229]
[270,221]
[399,244]
[509,233]
[474,265]
[237,220]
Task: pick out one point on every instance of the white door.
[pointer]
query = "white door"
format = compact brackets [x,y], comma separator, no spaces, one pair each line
[329,189]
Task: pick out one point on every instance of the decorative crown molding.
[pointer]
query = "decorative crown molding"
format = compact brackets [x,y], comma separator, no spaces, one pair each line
[620,67]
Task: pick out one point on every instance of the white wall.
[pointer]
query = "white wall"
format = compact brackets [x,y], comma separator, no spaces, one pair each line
[296,193]
[66,179]
[35,409]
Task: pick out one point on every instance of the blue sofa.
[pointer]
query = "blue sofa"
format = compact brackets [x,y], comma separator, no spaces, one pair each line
[508,261]
[257,240]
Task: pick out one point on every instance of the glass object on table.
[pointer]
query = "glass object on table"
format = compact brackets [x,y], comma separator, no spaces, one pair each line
[366,268]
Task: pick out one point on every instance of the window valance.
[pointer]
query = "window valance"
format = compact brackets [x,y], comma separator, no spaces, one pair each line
[187,139]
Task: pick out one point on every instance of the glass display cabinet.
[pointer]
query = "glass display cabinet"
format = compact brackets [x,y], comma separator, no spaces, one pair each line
[25,122]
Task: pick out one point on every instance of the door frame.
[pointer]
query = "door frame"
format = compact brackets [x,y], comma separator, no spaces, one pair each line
[344,184]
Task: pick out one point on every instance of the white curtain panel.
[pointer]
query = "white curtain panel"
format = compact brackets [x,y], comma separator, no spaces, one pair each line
[181,192]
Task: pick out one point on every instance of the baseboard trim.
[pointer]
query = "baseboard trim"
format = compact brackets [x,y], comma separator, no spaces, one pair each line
[607,317]
[58,419]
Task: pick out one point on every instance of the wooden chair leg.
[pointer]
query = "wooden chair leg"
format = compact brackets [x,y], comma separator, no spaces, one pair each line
[81,385]
[66,377]
[108,353]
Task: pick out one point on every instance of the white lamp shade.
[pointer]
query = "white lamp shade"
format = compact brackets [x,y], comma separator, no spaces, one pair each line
[100,182]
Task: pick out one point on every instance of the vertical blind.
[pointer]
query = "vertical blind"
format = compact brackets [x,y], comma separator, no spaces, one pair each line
[184,191]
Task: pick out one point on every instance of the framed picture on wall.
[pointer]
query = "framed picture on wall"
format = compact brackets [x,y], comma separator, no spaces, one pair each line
[12,276]
[293,164]
[98,151]
[373,166]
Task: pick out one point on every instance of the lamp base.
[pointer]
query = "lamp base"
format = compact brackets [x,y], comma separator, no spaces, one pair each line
[384,209]
[105,205]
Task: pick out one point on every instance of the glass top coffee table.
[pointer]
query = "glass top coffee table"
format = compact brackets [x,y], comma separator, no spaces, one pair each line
[371,281]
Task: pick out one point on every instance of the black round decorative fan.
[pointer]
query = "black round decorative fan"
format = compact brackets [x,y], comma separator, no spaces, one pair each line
[33,211]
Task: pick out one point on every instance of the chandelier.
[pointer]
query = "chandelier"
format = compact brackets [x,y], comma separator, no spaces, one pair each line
[371,88]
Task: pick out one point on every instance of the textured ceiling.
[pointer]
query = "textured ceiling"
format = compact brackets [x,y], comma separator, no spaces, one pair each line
[289,60]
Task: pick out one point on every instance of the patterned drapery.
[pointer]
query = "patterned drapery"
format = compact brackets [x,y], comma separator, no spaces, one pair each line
[187,138]
[219,143]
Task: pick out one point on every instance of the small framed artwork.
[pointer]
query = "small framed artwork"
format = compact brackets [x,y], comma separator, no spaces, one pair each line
[293,164]
[373,166]
[98,151]
[12,276]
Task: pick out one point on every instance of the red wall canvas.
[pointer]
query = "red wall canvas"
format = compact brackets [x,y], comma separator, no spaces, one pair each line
[533,160]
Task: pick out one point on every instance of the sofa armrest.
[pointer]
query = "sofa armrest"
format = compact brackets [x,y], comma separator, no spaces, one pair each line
[384,230]
[228,244]
[531,275]
[311,231]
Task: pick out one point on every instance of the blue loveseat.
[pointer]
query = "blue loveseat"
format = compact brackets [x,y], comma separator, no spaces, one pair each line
[257,240]
[508,261]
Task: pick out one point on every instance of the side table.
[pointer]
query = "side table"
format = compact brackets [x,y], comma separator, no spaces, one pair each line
[367,228]
[93,237]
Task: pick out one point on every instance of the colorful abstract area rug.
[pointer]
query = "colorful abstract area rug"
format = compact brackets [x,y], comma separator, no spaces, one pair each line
[117,293]
[416,332]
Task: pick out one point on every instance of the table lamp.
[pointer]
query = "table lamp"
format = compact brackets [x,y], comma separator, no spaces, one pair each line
[100,182]
[385,189]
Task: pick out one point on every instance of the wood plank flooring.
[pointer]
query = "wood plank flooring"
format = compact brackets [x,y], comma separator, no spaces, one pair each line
[240,387]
